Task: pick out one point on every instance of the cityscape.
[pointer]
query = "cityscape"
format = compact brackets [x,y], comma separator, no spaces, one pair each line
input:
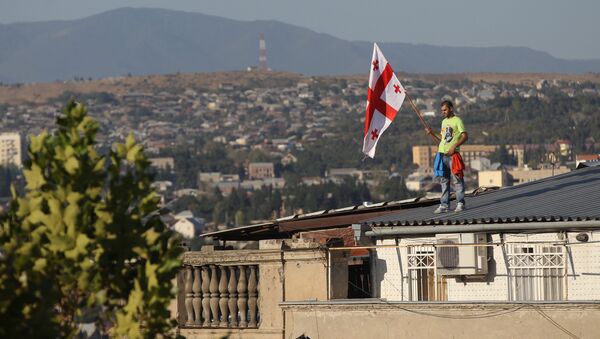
[261,134]
[156,195]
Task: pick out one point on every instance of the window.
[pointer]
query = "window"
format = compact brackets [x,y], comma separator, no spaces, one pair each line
[424,282]
[536,271]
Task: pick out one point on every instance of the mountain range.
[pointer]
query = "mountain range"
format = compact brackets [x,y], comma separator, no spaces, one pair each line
[141,41]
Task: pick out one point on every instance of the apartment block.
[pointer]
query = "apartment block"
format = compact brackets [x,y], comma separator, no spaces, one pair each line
[10,149]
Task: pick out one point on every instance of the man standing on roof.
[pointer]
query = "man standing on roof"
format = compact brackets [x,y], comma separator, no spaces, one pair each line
[448,162]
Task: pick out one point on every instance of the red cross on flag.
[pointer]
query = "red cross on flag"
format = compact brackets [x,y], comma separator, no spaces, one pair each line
[384,99]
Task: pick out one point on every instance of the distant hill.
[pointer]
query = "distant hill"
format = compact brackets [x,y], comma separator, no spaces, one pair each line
[155,41]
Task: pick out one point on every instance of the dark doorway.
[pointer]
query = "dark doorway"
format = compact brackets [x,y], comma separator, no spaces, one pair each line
[359,278]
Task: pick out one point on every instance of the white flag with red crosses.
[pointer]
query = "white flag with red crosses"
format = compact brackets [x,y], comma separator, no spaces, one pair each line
[384,99]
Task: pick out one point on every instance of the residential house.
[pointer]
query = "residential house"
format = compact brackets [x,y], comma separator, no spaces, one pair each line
[187,225]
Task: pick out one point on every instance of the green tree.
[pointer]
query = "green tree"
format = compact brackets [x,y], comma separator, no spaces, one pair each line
[84,236]
[9,174]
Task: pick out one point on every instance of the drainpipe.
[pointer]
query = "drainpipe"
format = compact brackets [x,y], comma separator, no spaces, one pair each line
[475,228]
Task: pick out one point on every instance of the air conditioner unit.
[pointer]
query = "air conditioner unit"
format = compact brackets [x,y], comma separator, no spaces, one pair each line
[467,259]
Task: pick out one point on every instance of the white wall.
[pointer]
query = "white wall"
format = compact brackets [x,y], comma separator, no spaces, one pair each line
[583,269]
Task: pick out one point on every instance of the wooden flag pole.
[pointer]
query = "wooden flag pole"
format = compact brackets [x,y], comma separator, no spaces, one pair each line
[416,110]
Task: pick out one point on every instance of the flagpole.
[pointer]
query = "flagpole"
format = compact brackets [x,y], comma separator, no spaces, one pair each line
[416,110]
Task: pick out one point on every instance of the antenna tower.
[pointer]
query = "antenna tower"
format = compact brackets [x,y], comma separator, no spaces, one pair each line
[262,53]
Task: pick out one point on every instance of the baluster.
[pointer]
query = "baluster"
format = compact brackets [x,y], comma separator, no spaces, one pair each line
[223,297]
[232,287]
[242,294]
[206,296]
[214,296]
[189,309]
[252,296]
[197,302]
[258,292]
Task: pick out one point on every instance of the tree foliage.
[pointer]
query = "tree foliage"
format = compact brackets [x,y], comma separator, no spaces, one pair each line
[84,236]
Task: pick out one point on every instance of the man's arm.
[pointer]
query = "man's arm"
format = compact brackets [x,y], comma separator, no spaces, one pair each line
[461,140]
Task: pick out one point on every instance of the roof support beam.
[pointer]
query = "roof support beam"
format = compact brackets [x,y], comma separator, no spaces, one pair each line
[389,231]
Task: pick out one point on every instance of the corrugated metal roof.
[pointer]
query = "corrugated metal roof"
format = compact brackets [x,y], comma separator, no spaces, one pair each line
[333,218]
[570,196]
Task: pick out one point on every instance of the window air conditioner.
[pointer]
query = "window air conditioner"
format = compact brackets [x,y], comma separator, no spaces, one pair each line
[467,259]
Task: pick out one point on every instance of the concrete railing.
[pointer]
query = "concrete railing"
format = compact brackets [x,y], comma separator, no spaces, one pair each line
[236,293]
[220,296]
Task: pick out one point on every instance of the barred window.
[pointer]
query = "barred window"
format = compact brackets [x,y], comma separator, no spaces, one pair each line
[536,271]
[424,282]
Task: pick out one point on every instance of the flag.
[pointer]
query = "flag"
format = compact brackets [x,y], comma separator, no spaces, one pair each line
[384,99]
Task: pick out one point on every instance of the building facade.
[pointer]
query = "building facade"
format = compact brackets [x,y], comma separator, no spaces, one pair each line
[504,267]
[10,149]
[261,170]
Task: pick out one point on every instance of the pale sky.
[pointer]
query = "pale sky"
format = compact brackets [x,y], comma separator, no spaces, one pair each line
[565,29]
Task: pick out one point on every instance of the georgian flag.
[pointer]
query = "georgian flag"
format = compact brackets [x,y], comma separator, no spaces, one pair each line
[384,99]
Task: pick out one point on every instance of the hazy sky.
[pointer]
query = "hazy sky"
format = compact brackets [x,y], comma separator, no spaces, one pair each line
[565,29]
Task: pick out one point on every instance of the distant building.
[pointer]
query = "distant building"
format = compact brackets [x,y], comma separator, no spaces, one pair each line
[187,191]
[209,177]
[498,178]
[166,163]
[10,149]
[253,185]
[288,159]
[187,225]
[162,186]
[523,175]
[564,147]
[311,181]
[543,83]
[481,164]
[579,158]
[516,176]
[423,156]
[261,170]
[418,180]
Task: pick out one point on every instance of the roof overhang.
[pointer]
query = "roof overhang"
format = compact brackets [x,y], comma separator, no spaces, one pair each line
[548,226]
[249,233]
[335,218]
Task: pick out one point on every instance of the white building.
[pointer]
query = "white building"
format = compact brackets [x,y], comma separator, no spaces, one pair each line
[533,242]
[187,225]
[10,149]
[496,267]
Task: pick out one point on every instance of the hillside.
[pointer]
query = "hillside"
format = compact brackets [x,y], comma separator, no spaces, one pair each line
[42,92]
[155,41]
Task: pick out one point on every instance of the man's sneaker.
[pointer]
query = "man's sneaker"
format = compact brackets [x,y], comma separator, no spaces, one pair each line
[459,207]
[441,209]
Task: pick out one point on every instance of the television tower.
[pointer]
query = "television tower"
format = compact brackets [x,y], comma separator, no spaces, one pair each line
[262,53]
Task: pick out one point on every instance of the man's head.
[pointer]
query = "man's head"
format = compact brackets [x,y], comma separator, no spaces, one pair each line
[447,108]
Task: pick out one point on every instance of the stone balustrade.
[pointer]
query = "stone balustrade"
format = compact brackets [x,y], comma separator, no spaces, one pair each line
[236,293]
[220,296]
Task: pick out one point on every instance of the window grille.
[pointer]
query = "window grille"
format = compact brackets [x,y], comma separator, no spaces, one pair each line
[423,281]
[536,271]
